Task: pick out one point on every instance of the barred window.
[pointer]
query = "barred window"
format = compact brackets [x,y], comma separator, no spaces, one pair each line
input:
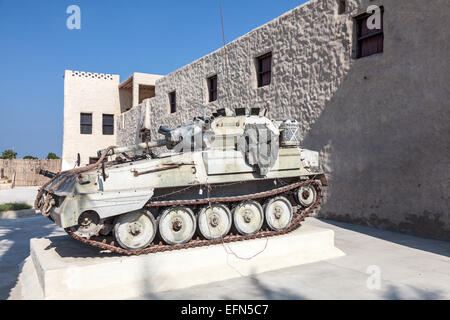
[108,124]
[86,123]
[212,88]
[264,69]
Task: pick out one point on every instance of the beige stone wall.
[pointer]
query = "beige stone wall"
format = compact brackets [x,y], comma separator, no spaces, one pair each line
[86,92]
[310,47]
[384,133]
[25,171]
[381,123]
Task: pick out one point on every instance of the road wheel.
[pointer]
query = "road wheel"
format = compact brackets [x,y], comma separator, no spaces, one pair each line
[135,230]
[306,195]
[214,222]
[177,225]
[248,217]
[278,212]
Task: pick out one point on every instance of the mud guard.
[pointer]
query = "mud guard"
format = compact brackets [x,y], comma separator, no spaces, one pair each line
[323,180]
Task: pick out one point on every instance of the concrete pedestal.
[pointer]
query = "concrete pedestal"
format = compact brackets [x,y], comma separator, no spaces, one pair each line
[61,268]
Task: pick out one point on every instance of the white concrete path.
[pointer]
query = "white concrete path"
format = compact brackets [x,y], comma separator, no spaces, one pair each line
[19,194]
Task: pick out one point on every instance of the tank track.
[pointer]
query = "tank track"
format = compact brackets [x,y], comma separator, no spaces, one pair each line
[300,214]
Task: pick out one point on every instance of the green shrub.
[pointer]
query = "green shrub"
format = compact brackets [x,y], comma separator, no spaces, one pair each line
[14,206]
[51,155]
[9,154]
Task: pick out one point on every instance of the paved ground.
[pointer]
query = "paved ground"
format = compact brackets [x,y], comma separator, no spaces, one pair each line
[15,238]
[409,267]
[19,194]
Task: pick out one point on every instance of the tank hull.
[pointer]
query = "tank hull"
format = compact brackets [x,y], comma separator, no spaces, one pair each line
[131,186]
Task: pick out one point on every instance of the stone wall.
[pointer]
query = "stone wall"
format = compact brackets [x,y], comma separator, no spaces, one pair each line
[385,132]
[310,46]
[381,123]
[24,171]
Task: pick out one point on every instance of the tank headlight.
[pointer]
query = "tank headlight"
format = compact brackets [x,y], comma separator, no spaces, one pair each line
[310,159]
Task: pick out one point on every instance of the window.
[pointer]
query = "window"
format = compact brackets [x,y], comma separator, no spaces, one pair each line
[173,102]
[369,41]
[212,88]
[264,69]
[108,124]
[86,123]
[341,6]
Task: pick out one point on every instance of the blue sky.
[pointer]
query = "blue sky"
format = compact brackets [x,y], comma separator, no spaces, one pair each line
[119,37]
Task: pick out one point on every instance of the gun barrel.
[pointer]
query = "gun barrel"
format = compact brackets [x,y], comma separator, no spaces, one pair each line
[137,147]
[47,174]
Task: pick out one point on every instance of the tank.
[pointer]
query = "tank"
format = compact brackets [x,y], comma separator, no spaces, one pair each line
[231,176]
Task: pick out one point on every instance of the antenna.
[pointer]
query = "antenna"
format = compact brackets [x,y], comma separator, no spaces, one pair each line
[225,53]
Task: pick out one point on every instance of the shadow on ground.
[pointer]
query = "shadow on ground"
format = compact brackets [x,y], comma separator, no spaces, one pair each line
[265,292]
[430,245]
[397,293]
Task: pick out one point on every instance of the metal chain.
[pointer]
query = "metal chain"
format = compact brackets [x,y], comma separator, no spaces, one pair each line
[45,205]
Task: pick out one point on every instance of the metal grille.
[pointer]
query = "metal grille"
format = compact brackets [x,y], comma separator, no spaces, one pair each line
[290,134]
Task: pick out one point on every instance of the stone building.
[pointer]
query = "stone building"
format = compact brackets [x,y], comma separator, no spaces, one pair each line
[372,100]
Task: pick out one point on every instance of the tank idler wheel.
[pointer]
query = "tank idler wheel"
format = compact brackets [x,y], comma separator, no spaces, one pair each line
[278,212]
[136,230]
[177,225]
[306,195]
[89,225]
[214,222]
[248,217]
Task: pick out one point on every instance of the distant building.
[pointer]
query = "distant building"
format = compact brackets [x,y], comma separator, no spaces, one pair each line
[373,101]
[92,104]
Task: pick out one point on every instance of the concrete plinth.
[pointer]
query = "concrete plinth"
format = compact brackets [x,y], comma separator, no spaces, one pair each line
[61,268]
